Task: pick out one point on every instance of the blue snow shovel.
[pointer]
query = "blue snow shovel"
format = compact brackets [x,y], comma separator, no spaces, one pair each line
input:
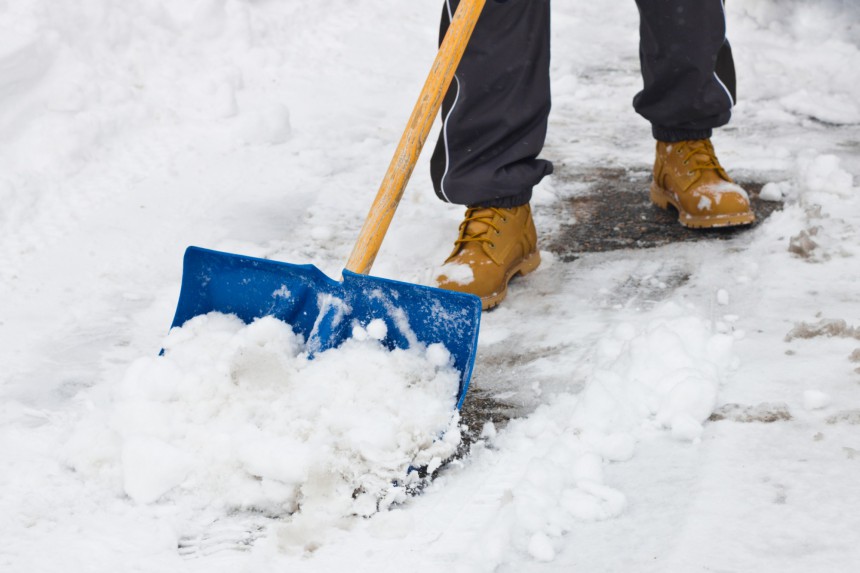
[324,311]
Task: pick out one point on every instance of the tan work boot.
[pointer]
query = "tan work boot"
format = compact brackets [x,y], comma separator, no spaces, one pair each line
[494,245]
[688,176]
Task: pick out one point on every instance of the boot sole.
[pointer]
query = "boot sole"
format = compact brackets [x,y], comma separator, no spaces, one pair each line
[663,198]
[524,267]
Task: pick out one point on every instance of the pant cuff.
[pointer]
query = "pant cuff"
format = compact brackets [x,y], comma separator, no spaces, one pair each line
[672,135]
[508,202]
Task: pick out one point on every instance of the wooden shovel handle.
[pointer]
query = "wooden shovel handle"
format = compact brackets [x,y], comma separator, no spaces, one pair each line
[414,136]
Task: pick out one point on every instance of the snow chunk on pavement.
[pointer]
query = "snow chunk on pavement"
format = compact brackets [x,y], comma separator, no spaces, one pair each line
[772,192]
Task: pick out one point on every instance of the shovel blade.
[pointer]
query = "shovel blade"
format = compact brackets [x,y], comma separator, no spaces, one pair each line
[324,311]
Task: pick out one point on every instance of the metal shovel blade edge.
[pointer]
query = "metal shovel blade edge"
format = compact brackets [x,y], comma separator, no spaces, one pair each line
[324,311]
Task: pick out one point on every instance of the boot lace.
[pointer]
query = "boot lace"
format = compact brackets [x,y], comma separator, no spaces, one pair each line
[485,215]
[704,158]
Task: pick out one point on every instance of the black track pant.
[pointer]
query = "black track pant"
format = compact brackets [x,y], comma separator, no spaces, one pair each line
[495,114]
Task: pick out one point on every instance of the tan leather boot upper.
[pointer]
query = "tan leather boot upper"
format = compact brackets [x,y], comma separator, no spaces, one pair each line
[688,176]
[493,245]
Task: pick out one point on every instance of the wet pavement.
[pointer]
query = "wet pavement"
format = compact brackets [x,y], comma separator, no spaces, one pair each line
[616,213]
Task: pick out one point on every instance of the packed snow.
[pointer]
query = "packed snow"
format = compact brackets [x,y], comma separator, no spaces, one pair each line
[682,408]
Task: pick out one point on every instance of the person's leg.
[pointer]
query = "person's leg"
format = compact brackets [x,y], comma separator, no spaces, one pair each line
[495,114]
[689,89]
[494,126]
[681,43]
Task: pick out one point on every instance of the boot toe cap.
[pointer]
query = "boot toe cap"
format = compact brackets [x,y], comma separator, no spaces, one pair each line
[718,200]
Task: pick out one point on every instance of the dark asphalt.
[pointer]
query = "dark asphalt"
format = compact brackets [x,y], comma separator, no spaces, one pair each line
[616,213]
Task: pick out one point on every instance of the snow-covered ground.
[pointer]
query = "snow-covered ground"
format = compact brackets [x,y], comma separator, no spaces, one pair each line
[689,408]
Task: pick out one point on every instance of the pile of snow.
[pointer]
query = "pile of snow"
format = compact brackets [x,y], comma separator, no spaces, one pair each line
[660,378]
[235,416]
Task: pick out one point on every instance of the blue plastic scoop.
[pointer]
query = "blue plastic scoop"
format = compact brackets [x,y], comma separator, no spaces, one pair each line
[324,311]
